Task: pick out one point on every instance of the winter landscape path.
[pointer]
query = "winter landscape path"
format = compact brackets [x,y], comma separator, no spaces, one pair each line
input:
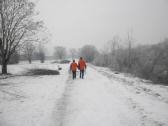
[103,98]
[100,100]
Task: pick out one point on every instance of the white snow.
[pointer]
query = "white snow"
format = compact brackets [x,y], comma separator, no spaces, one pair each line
[103,98]
[27,100]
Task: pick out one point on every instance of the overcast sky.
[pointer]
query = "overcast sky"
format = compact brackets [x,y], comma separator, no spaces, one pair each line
[74,23]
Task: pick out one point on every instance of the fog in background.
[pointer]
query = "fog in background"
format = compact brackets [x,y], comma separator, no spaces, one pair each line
[74,23]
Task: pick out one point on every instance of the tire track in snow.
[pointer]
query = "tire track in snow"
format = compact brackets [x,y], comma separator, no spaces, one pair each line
[61,112]
[146,120]
[137,88]
[144,115]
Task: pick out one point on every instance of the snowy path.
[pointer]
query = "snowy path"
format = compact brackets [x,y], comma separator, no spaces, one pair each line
[101,99]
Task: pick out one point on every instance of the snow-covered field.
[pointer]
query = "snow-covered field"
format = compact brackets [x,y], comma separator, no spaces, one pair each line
[103,98]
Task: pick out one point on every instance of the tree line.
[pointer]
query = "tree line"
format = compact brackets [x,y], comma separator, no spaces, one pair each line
[145,61]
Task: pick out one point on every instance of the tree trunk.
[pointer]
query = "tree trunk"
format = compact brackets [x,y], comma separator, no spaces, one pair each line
[30,61]
[4,68]
[42,61]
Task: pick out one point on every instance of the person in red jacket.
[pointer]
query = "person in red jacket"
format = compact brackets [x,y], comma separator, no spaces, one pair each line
[82,67]
[73,68]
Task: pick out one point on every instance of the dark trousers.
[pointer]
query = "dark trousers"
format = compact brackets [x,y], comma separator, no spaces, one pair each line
[82,74]
[73,75]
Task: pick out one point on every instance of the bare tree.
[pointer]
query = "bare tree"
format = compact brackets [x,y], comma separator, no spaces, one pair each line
[105,54]
[41,53]
[60,52]
[130,52]
[44,38]
[73,53]
[15,57]
[88,52]
[16,27]
[29,49]
[113,46]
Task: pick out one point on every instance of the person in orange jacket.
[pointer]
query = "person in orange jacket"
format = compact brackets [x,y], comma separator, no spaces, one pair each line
[73,68]
[82,67]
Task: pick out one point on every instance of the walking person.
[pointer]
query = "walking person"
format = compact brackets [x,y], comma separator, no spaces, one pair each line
[73,68]
[82,67]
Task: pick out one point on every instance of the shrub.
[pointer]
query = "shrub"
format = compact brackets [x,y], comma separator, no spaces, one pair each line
[42,72]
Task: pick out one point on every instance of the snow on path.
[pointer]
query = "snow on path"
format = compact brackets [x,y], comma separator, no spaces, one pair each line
[150,101]
[99,101]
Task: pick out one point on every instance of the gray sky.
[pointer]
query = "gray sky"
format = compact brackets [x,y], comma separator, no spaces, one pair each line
[74,23]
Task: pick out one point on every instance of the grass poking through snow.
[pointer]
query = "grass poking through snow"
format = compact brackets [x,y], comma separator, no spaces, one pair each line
[42,72]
